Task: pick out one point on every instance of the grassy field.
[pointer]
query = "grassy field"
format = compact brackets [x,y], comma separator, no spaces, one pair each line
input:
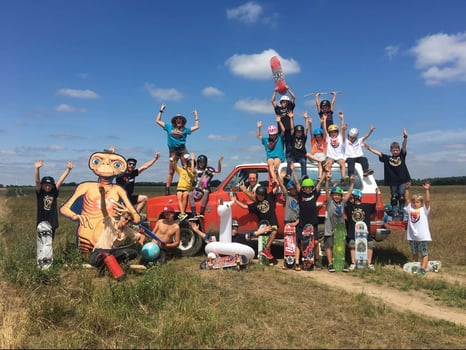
[179,306]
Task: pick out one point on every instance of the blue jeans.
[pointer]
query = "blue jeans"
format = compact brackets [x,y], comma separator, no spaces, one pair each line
[398,199]
[296,159]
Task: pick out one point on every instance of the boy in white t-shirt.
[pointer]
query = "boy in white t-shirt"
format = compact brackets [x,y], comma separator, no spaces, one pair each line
[336,147]
[418,232]
[354,153]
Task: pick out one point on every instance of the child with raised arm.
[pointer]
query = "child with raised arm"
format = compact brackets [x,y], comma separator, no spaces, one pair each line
[335,147]
[318,148]
[47,194]
[354,153]
[282,110]
[185,185]
[325,108]
[273,145]
[297,151]
[396,174]
[418,232]
[177,133]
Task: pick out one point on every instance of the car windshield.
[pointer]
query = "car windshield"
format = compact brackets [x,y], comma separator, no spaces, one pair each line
[241,176]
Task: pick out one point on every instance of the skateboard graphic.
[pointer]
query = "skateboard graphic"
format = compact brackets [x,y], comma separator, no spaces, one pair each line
[262,244]
[308,247]
[413,267]
[225,262]
[339,242]
[360,244]
[289,246]
[277,72]
[44,245]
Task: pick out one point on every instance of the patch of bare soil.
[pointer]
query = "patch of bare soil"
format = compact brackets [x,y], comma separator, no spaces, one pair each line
[403,301]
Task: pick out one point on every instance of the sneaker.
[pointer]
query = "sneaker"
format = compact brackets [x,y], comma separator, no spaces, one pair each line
[368,172]
[182,216]
[352,267]
[318,264]
[345,269]
[193,219]
[371,267]
[266,252]
[344,180]
[199,216]
[421,272]
[331,268]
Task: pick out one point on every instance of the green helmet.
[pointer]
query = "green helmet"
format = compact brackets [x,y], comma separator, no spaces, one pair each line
[307,183]
[338,190]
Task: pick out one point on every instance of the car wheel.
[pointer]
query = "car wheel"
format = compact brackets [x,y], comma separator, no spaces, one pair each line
[190,242]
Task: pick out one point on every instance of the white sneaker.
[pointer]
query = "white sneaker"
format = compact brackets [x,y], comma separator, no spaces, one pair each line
[352,267]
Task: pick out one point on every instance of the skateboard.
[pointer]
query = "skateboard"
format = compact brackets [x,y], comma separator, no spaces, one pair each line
[44,245]
[277,72]
[360,244]
[308,247]
[261,244]
[225,262]
[413,267]
[339,242]
[289,246]
[203,183]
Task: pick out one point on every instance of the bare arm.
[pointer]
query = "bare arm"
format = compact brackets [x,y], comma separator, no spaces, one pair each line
[371,129]
[240,204]
[258,132]
[65,174]
[427,195]
[219,168]
[274,96]
[291,115]
[37,166]
[342,125]
[196,121]
[306,123]
[370,149]
[405,140]
[334,97]
[293,97]
[158,119]
[350,189]
[317,102]
[149,163]
[103,204]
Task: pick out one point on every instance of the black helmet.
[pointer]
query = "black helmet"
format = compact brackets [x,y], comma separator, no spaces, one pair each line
[202,159]
[261,191]
[299,128]
[325,103]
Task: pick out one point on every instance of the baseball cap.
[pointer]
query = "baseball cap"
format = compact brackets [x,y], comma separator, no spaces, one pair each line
[47,180]
[168,209]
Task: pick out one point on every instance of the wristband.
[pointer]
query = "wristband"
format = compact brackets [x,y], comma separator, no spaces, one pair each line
[405,137]
[161,111]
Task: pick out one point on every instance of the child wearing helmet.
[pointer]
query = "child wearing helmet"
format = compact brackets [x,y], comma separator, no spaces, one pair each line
[335,147]
[177,133]
[264,207]
[325,108]
[273,145]
[318,154]
[336,201]
[356,210]
[203,177]
[354,153]
[47,195]
[308,193]
[396,174]
[282,110]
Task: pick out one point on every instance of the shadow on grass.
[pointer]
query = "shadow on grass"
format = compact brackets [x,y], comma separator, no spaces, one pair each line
[389,256]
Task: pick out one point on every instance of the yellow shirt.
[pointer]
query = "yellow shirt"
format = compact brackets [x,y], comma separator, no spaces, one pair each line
[185,181]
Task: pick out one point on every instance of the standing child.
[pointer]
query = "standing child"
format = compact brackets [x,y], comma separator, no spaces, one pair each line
[273,145]
[418,232]
[307,201]
[356,211]
[203,176]
[335,147]
[47,214]
[325,109]
[396,174]
[336,201]
[297,151]
[318,148]
[353,151]
[282,111]
[264,208]
[185,185]
[177,133]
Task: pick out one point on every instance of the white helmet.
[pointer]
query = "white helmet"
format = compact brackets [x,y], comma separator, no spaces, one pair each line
[284,98]
[353,132]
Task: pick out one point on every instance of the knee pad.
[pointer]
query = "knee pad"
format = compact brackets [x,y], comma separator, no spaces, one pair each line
[402,200]
[394,200]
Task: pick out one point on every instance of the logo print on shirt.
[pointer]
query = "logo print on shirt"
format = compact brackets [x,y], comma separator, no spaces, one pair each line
[335,143]
[414,215]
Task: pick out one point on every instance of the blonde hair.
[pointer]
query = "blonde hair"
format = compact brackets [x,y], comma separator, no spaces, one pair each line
[417,197]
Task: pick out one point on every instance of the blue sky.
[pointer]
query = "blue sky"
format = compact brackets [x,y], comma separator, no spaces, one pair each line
[79,76]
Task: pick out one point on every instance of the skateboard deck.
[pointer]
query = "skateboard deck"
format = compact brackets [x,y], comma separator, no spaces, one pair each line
[261,244]
[360,244]
[413,267]
[277,72]
[225,262]
[44,245]
[339,242]
[308,247]
[289,246]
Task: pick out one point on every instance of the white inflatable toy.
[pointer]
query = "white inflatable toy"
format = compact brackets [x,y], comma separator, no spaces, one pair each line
[225,246]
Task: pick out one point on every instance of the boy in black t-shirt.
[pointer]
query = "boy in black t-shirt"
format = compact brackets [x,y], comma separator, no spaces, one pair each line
[282,110]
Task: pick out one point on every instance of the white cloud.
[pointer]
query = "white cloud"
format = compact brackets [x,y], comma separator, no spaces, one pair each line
[212,91]
[70,109]
[75,93]
[392,51]
[257,66]
[250,12]
[254,106]
[222,138]
[442,57]
[170,94]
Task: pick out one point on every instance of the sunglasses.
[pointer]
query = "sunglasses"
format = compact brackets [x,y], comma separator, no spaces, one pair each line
[126,218]
[131,164]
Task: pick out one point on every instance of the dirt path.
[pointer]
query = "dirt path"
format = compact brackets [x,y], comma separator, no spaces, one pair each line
[404,301]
